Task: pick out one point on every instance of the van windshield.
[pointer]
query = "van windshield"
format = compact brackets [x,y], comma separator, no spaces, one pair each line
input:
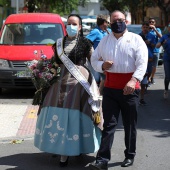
[31,33]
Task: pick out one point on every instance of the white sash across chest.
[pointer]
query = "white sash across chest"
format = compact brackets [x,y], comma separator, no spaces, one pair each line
[72,68]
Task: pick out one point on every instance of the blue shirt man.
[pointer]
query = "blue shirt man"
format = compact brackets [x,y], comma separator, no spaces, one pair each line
[97,34]
[165,41]
[150,42]
[149,39]
[156,50]
[95,37]
[158,34]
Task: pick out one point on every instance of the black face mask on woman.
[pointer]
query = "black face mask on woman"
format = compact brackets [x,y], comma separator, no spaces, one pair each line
[118,27]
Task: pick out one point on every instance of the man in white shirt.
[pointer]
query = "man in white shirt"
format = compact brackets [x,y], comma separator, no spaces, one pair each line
[124,61]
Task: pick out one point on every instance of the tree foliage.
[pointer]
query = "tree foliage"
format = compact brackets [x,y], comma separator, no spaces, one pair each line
[62,7]
[6,3]
[112,5]
[135,5]
[65,7]
[122,5]
[165,7]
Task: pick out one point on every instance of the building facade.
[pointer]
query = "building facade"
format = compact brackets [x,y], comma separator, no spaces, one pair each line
[91,9]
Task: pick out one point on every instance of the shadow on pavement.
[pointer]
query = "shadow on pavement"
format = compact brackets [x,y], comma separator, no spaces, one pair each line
[155,116]
[17,94]
[43,161]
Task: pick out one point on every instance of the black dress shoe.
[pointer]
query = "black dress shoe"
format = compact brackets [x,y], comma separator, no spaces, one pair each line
[63,164]
[127,162]
[98,166]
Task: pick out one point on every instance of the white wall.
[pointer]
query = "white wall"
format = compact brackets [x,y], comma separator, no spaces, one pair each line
[91,9]
[97,1]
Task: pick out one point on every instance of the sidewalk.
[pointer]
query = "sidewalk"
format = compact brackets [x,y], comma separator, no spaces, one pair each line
[17,119]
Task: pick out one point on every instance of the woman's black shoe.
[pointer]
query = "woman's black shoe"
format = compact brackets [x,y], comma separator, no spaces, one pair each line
[63,164]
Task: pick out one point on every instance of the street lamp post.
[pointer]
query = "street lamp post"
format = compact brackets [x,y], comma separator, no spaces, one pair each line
[17,6]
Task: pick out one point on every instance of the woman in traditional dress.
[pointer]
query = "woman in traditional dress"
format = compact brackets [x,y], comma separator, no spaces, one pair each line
[65,124]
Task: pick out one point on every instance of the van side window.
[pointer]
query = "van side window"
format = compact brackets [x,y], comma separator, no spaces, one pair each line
[7,36]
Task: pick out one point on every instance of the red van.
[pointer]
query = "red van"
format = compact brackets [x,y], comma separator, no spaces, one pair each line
[20,37]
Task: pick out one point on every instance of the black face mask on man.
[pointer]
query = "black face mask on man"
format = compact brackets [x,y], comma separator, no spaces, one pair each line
[118,27]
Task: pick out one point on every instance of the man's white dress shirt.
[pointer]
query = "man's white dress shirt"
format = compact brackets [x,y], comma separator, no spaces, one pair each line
[129,54]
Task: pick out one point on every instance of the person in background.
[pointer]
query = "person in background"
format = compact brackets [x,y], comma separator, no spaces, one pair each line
[158,34]
[149,39]
[124,60]
[95,37]
[165,42]
[65,124]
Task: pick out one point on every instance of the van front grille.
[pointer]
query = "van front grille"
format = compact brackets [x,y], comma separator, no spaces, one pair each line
[18,64]
[14,83]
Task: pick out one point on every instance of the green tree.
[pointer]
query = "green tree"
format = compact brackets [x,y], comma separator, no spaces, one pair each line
[134,6]
[30,4]
[112,5]
[165,7]
[62,7]
[122,5]
[5,3]
[162,4]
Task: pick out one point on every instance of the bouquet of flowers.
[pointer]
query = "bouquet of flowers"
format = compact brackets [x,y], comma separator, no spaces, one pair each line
[44,73]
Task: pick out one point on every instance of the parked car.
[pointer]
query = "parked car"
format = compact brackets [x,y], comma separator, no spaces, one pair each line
[21,35]
[135,28]
[86,27]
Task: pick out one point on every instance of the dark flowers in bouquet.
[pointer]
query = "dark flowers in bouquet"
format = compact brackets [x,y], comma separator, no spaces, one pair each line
[44,73]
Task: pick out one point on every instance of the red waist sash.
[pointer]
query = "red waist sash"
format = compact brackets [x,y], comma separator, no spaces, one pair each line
[118,80]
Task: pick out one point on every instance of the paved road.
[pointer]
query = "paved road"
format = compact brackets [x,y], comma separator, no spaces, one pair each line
[153,151]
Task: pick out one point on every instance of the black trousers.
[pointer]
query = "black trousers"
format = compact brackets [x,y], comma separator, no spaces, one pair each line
[114,103]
